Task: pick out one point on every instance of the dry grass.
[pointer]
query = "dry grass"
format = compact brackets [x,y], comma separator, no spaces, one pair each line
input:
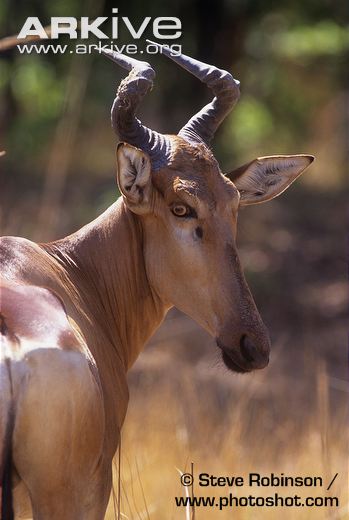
[230,425]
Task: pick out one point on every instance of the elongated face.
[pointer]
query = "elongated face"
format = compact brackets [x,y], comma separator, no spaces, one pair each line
[189,217]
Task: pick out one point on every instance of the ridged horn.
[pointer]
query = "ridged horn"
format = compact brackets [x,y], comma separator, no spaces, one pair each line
[203,125]
[128,97]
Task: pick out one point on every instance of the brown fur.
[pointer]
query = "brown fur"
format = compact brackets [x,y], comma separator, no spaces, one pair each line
[83,307]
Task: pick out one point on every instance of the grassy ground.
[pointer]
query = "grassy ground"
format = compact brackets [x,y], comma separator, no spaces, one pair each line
[291,417]
[230,425]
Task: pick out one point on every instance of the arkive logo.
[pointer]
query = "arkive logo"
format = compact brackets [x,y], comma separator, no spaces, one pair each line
[163,27]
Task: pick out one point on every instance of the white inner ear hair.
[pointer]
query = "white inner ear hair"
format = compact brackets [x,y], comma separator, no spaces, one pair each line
[263,175]
[135,169]
[129,175]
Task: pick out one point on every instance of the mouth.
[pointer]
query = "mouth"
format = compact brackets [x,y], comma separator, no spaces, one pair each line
[230,361]
[245,358]
[232,365]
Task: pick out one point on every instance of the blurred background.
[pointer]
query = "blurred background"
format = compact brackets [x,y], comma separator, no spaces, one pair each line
[59,173]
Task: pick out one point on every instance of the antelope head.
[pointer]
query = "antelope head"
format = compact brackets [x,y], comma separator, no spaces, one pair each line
[188,208]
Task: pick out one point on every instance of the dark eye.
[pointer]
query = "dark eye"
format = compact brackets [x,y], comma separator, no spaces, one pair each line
[181,210]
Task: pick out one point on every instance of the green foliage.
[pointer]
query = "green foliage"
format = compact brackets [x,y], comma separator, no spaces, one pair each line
[252,124]
[5,70]
[323,39]
[37,88]
[289,57]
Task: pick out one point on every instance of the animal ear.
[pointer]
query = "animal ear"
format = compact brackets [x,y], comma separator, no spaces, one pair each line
[267,177]
[134,177]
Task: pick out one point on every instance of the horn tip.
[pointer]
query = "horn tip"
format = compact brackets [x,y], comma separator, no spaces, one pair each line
[107,52]
[163,48]
[153,43]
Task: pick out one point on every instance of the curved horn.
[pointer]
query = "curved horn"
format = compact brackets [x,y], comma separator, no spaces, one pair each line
[203,125]
[129,95]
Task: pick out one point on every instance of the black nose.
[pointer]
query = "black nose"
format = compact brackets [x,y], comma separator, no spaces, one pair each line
[249,351]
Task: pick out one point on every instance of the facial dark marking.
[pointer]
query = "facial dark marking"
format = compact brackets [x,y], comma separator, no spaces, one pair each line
[193,213]
[199,232]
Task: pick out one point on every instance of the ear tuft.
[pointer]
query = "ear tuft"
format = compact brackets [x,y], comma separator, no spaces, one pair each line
[267,177]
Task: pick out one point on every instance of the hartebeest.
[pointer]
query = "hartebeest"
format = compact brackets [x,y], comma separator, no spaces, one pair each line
[76,313]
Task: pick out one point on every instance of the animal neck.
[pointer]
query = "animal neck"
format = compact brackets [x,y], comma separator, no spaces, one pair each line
[105,262]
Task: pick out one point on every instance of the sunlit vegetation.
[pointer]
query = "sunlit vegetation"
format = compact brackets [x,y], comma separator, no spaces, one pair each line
[58,173]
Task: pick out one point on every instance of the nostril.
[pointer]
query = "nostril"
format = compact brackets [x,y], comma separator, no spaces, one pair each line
[248,350]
